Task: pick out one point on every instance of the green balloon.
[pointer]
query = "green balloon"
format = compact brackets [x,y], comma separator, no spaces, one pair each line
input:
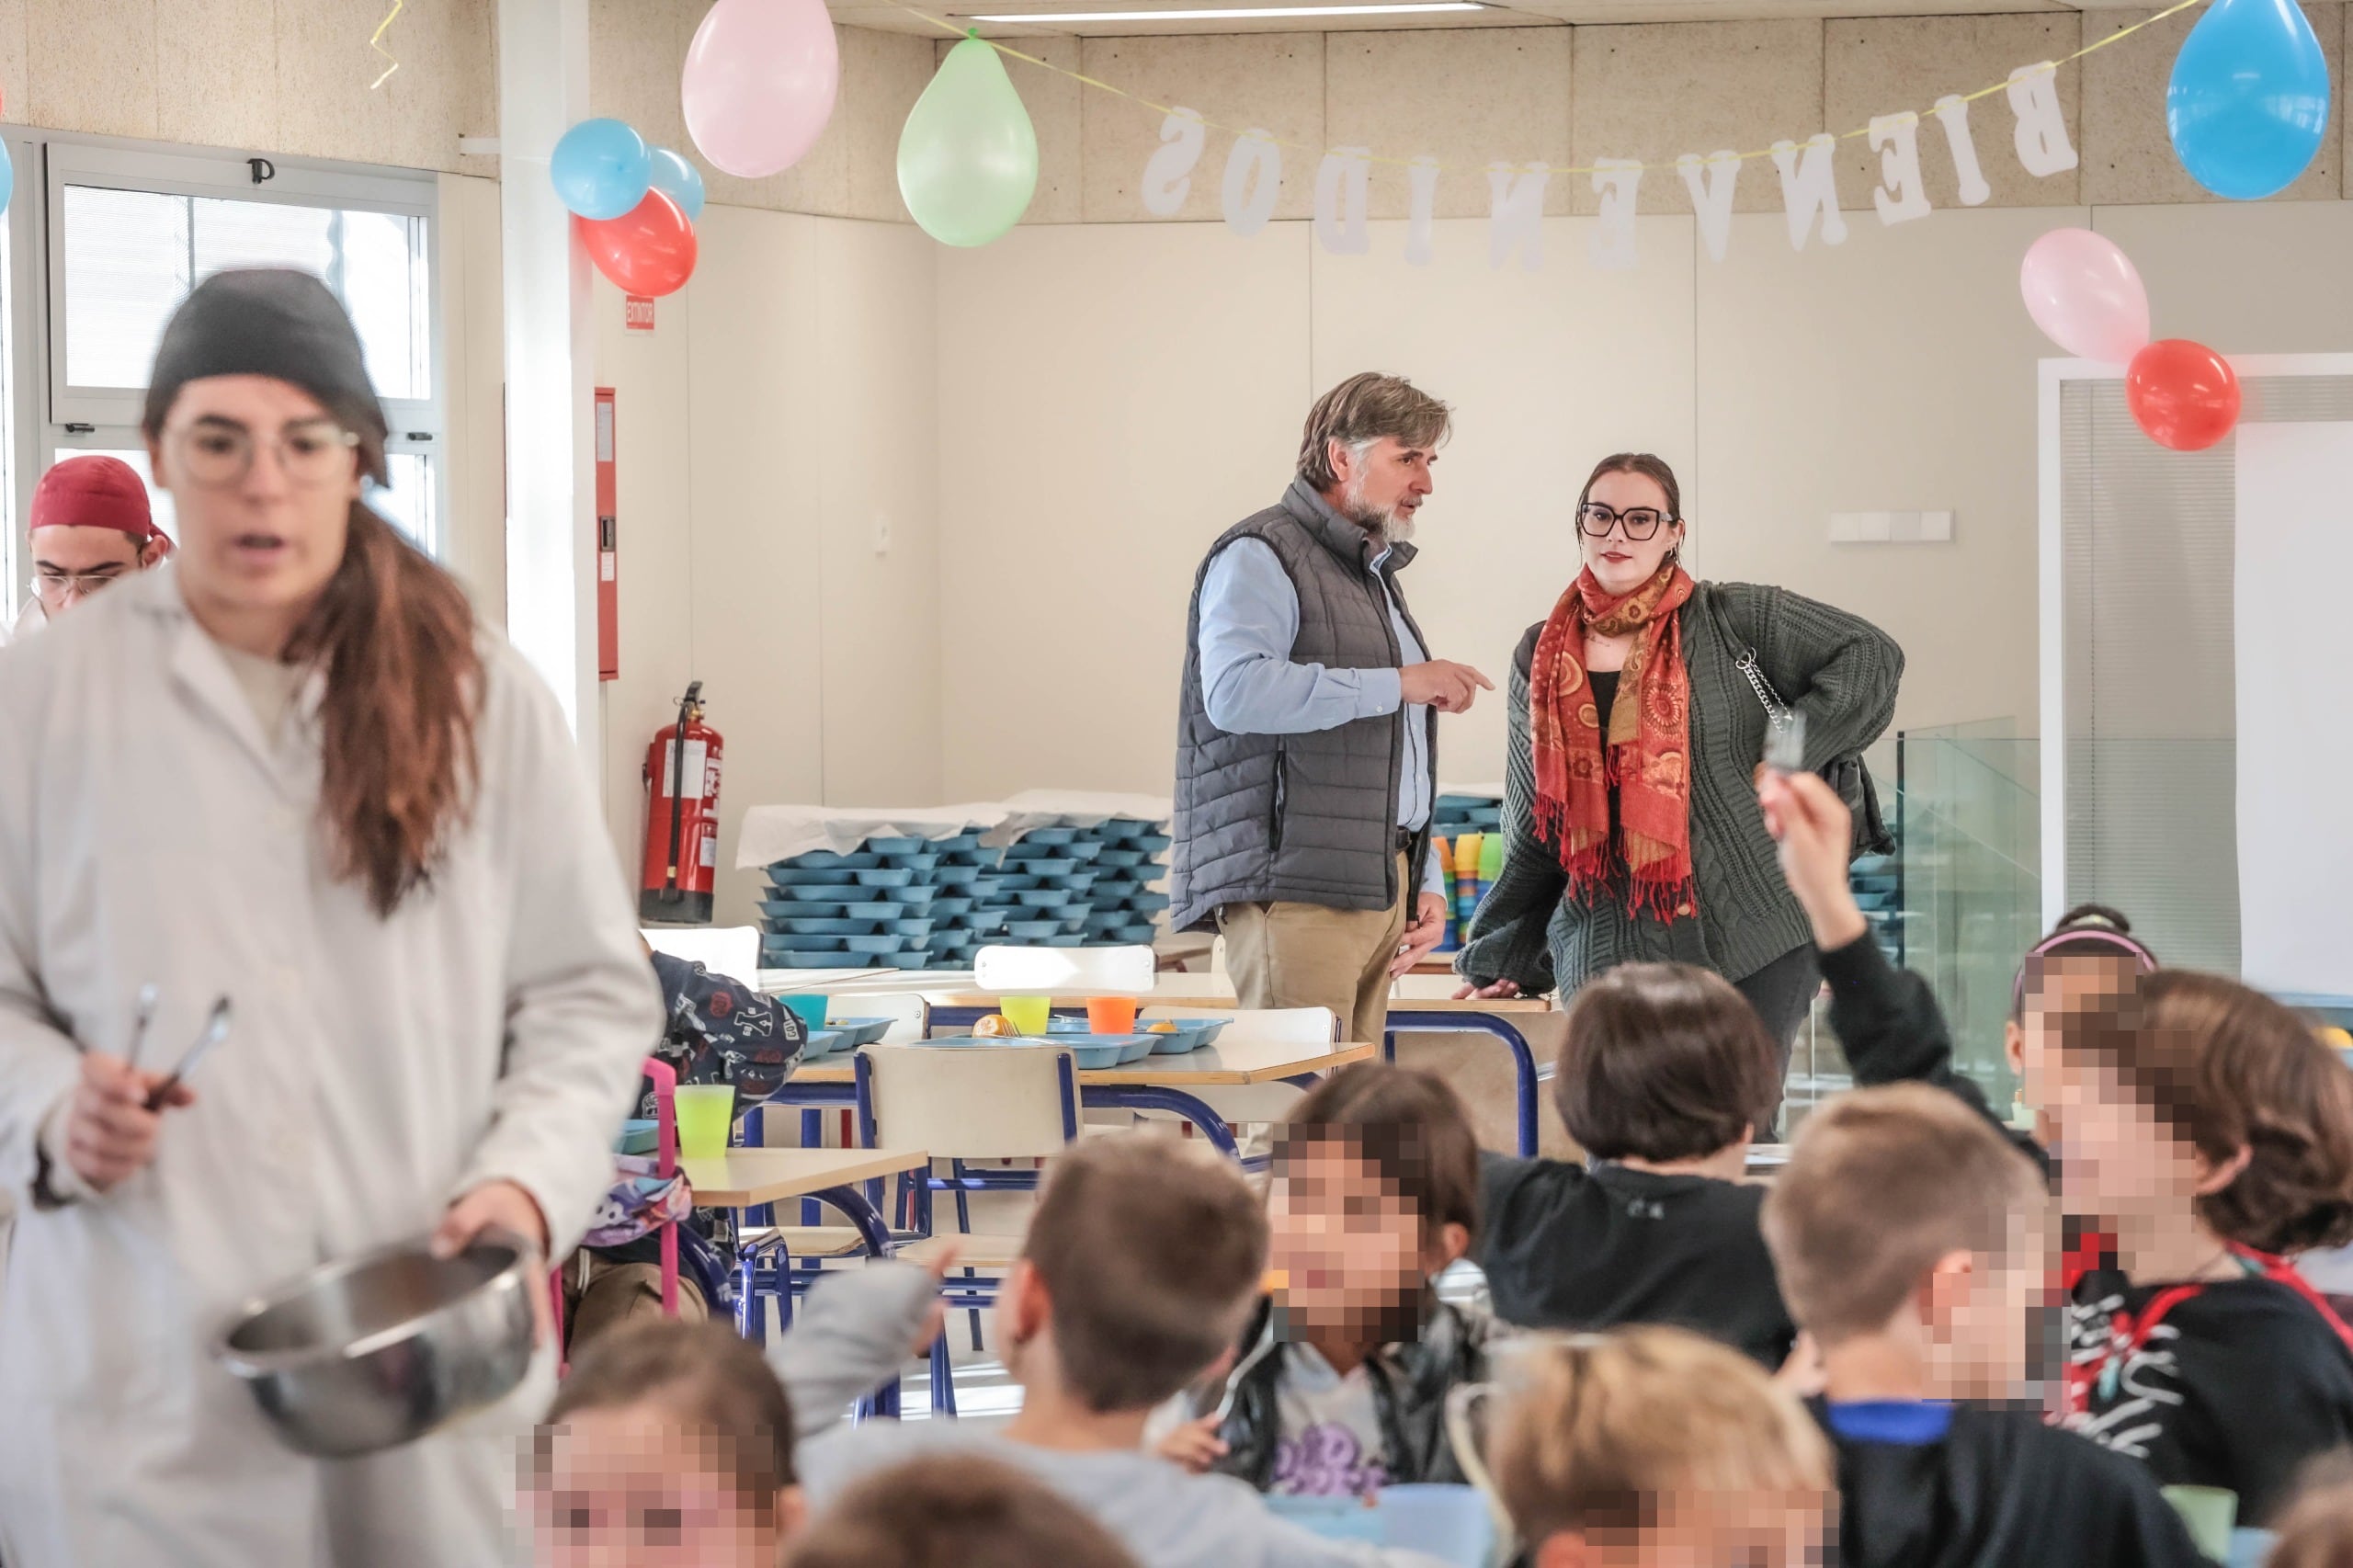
[968,157]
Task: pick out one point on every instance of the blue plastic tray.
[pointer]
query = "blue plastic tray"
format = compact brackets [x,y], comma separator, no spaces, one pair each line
[825,859]
[1033,930]
[875,912]
[824,927]
[1043,898]
[860,1031]
[884,876]
[1190,1034]
[897,846]
[922,865]
[796,877]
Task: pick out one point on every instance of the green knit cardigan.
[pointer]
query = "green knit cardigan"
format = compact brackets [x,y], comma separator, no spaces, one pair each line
[1838,669]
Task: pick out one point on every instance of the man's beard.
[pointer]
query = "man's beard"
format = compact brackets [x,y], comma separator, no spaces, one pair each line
[1387,525]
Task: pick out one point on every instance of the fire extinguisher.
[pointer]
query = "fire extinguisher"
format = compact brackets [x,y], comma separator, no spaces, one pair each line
[681,818]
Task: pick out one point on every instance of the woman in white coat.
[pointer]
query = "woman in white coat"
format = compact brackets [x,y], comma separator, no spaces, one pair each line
[288,768]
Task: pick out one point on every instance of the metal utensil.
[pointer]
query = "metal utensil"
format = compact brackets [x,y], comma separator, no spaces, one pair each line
[216,1028]
[379,1350]
[148,997]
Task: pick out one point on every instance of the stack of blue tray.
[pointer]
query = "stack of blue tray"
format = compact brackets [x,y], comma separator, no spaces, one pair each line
[1452,815]
[965,914]
[933,903]
[869,909]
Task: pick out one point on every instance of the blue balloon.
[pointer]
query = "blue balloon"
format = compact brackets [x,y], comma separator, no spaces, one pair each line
[679,180]
[601,168]
[2249,98]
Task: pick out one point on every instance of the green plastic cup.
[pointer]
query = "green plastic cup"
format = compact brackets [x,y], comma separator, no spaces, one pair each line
[811,1005]
[1029,1014]
[705,1113]
[2210,1513]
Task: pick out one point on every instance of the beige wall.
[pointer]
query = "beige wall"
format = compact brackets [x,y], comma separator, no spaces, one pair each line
[1570,94]
[1133,389]
[779,415]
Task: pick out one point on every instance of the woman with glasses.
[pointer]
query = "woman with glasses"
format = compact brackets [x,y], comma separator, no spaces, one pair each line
[1639,717]
[287,770]
[90,527]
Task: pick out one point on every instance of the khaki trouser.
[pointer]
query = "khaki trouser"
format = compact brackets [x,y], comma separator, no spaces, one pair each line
[1305,955]
[600,1295]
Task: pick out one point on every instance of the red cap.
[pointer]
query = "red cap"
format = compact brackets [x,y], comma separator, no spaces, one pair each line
[94,491]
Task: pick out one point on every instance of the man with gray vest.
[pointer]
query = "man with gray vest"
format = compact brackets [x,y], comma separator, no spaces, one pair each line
[1307,741]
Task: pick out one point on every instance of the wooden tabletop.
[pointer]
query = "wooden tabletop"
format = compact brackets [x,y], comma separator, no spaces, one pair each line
[742,1178]
[1243,1062]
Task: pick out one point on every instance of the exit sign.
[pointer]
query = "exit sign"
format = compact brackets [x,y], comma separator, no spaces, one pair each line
[638,313]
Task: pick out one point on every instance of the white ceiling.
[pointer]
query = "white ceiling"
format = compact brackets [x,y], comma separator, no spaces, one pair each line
[889,15]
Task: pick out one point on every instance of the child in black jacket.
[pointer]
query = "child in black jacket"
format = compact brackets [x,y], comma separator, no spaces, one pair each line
[1662,1080]
[2207,1132]
[1910,1238]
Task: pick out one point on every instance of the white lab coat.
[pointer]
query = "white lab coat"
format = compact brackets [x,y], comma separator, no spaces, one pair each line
[493,1027]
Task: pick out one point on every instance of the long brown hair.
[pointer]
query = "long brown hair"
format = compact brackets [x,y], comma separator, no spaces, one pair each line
[395,636]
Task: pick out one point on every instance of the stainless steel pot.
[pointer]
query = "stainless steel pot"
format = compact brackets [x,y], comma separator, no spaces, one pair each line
[378,1350]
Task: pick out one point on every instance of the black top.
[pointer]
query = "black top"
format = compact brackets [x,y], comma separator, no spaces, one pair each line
[1565,1246]
[2000,1490]
[2236,1387]
[1605,694]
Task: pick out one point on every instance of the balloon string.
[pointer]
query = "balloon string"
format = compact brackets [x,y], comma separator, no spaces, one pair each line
[2052,66]
[376,42]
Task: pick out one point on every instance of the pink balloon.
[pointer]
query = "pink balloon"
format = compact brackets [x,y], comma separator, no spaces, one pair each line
[2082,293]
[759,82]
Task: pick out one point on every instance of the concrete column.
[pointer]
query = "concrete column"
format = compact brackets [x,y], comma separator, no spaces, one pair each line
[551,490]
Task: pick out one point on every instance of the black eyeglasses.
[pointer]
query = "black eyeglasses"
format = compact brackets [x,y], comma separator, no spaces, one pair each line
[1640,522]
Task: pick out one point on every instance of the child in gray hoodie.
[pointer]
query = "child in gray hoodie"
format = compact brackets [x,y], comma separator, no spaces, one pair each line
[1142,1261]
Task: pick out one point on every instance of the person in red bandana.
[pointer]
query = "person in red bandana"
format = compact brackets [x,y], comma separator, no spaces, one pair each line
[91,526]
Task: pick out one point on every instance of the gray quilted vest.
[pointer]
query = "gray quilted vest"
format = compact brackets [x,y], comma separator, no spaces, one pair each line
[1308,818]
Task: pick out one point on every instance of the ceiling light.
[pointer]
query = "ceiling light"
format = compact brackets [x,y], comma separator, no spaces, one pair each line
[1236,13]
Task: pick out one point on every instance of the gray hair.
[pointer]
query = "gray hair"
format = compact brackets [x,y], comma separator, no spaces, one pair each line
[1360,412]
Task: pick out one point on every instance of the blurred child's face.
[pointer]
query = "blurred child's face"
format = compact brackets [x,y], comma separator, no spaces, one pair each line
[2056,986]
[1983,1317]
[1347,1251]
[1763,1529]
[2121,1163]
[633,1488]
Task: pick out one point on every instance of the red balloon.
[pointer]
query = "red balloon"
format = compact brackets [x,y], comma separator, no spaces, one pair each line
[648,250]
[2182,393]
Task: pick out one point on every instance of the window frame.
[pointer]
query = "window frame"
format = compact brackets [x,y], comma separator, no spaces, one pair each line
[54,418]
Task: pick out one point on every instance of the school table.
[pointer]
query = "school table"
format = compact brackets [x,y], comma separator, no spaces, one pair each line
[750,1177]
[1474,1014]
[1157,1083]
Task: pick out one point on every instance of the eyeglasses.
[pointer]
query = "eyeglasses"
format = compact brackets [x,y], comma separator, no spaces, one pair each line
[215,452]
[55,587]
[1640,522]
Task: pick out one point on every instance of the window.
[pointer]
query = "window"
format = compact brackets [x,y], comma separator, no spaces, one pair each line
[131,230]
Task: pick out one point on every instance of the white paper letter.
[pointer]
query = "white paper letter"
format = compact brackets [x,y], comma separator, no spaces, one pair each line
[1169,176]
[1612,243]
[1896,138]
[1254,176]
[1710,181]
[1340,182]
[1952,113]
[1516,214]
[2043,146]
[1423,174]
[1810,186]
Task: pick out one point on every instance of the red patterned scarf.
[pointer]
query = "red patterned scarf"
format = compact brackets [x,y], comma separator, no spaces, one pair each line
[1645,755]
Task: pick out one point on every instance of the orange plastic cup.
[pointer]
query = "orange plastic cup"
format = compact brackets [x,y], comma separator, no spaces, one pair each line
[1111,1015]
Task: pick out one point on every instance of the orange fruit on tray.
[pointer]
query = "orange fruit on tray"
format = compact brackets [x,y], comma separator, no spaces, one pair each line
[995,1025]
[1160,1029]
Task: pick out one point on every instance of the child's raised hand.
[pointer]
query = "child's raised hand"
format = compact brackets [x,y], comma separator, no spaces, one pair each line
[1816,832]
[934,1321]
[1802,1374]
[1195,1445]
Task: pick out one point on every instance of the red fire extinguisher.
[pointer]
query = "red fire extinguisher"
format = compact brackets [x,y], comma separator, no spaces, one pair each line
[681,818]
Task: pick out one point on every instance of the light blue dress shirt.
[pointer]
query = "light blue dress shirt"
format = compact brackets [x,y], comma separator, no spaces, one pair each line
[1249,618]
